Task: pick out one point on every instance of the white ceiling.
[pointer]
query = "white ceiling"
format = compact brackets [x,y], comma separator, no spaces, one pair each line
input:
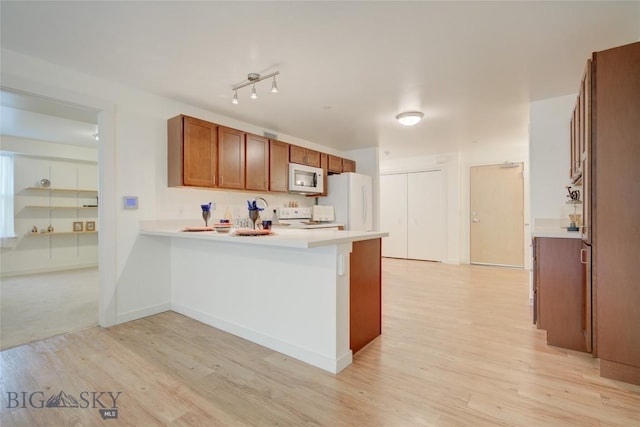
[347,68]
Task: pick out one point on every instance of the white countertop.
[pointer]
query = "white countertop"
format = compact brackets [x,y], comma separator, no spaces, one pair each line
[292,238]
[554,228]
[555,232]
[303,226]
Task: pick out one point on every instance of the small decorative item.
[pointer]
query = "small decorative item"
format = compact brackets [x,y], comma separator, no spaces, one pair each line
[77,226]
[206,213]
[50,229]
[254,211]
[91,226]
[34,229]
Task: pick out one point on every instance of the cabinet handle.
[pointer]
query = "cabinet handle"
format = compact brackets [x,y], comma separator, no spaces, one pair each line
[214,180]
[582,260]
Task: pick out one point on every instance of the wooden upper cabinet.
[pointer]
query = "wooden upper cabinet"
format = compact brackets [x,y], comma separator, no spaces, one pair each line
[192,151]
[348,165]
[335,164]
[304,156]
[278,166]
[231,158]
[257,166]
[324,164]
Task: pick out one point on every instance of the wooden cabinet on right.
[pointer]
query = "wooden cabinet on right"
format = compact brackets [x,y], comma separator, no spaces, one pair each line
[615,207]
[348,165]
[338,165]
[334,164]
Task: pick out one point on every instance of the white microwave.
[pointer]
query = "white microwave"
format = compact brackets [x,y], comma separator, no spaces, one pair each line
[305,179]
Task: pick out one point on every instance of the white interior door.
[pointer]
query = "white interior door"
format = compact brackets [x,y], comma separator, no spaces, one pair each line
[393,214]
[497,215]
[425,222]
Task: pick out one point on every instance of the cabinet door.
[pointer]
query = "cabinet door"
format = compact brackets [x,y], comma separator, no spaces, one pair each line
[304,156]
[195,142]
[348,165]
[560,291]
[257,167]
[297,154]
[393,214]
[278,166]
[425,221]
[230,158]
[335,164]
[313,158]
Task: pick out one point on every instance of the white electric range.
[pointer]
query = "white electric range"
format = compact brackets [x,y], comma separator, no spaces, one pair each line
[301,218]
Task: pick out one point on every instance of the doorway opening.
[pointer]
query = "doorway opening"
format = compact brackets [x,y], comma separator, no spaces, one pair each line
[50,279]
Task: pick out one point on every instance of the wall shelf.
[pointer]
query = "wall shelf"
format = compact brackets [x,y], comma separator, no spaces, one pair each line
[58,233]
[62,190]
[60,207]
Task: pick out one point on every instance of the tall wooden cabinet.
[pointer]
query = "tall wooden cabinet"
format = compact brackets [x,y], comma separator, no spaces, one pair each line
[616,210]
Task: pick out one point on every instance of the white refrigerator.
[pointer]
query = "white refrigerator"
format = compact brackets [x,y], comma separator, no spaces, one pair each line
[351,195]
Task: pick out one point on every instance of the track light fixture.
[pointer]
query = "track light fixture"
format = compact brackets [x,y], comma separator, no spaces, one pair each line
[252,79]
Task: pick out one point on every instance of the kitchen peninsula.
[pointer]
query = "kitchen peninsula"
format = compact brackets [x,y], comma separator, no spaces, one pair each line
[314,295]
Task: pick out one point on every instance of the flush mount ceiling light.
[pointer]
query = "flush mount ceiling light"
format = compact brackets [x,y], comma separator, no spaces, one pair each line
[409,118]
[252,79]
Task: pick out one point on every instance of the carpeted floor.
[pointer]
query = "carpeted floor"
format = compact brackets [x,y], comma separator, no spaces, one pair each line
[43,305]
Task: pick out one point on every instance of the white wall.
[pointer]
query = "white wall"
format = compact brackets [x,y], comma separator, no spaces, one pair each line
[134,279]
[549,149]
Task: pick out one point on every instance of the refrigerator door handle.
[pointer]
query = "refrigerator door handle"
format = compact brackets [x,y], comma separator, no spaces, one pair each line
[364,204]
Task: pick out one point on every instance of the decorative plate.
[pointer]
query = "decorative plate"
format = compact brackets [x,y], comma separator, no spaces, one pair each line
[197,229]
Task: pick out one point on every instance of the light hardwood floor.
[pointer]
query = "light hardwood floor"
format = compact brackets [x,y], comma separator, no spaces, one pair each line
[38,306]
[458,349]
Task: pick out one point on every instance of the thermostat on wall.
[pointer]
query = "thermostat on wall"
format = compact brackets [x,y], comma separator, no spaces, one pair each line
[131,202]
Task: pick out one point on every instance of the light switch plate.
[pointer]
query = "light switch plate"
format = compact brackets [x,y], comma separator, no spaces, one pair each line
[131,202]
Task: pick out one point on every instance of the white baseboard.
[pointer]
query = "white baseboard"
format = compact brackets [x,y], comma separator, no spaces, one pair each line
[143,312]
[302,354]
[46,270]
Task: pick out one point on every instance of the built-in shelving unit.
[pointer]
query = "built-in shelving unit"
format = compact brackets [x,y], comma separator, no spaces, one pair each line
[58,233]
[62,190]
[60,207]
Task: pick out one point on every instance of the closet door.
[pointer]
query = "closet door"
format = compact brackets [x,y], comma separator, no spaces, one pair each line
[393,214]
[425,221]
